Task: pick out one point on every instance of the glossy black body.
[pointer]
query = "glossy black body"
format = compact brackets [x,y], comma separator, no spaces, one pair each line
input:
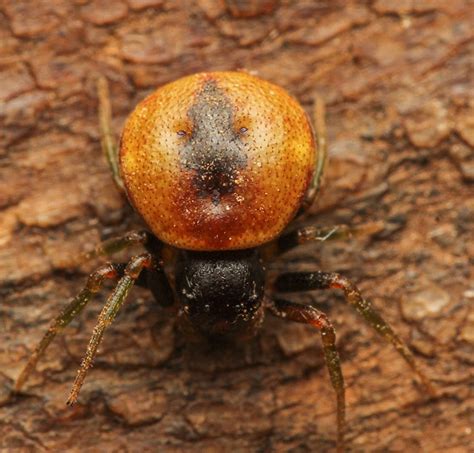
[220,293]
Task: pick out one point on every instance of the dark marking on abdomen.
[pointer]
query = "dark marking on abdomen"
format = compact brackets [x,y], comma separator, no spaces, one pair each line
[214,151]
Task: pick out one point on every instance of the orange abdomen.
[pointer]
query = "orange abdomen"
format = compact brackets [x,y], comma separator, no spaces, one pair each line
[217,161]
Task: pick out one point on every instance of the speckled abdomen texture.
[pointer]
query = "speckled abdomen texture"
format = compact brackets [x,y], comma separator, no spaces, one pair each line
[217,161]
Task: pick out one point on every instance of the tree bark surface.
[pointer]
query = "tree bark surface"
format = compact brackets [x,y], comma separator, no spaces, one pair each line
[397,79]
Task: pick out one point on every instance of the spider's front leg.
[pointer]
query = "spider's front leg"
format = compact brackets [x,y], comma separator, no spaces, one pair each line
[93,285]
[309,315]
[107,315]
[306,281]
[154,279]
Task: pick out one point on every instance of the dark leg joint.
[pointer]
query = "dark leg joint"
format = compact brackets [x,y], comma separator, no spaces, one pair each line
[307,281]
[116,244]
[309,315]
[302,281]
[75,306]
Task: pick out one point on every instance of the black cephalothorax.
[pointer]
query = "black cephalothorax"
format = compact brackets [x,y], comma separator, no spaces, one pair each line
[220,293]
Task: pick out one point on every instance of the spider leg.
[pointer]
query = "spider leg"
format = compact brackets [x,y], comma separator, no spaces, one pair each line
[292,239]
[119,243]
[307,281]
[320,155]
[107,315]
[321,234]
[309,315]
[109,147]
[154,278]
[157,282]
[93,285]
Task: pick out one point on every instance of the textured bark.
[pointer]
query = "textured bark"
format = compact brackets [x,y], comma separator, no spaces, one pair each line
[397,80]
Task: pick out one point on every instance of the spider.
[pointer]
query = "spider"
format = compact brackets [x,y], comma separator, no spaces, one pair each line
[218,164]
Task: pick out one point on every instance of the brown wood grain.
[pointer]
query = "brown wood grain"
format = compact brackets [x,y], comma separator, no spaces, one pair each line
[397,80]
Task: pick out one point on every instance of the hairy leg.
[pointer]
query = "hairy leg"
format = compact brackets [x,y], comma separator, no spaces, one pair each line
[320,154]
[321,234]
[117,244]
[154,278]
[300,236]
[93,285]
[109,147]
[107,315]
[310,315]
[306,281]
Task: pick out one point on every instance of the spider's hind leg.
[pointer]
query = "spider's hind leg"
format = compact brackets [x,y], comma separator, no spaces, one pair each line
[319,124]
[109,147]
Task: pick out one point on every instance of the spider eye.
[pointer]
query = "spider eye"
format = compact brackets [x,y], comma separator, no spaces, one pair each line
[181,133]
[243,130]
